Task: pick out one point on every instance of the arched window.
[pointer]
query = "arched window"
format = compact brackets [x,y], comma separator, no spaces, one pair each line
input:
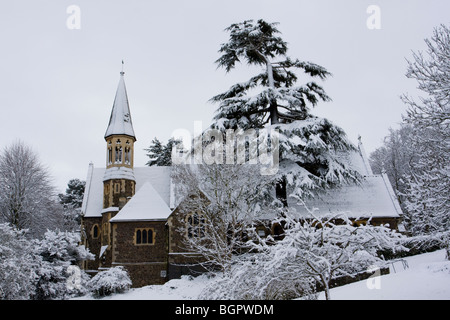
[195,225]
[150,236]
[277,231]
[127,155]
[144,236]
[118,155]
[138,237]
[110,155]
[95,231]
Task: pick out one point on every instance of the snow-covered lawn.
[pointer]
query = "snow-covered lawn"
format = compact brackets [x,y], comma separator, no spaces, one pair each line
[428,277]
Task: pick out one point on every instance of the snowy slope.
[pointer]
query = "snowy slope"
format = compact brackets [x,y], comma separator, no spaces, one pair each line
[428,277]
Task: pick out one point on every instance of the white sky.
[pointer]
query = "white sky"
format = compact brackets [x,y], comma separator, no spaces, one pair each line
[58,85]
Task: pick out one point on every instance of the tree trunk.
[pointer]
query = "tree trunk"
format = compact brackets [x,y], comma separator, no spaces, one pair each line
[273,112]
[447,247]
[270,73]
[326,287]
[280,192]
[273,104]
[280,187]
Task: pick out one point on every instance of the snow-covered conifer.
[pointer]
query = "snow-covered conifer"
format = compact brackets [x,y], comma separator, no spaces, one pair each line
[71,201]
[74,194]
[160,154]
[310,147]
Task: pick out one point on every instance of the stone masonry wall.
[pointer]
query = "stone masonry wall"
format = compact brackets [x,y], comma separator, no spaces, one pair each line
[146,263]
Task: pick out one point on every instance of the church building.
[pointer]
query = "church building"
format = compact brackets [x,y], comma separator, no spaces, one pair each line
[130,215]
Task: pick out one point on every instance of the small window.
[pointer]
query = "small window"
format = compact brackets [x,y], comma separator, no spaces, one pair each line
[118,156]
[278,231]
[110,155]
[95,231]
[138,237]
[144,236]
[127,155]
[150,236]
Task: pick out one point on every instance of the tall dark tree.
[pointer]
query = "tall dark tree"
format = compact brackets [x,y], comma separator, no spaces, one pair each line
[74,194]
[310,147]
[160,154]
[72,201]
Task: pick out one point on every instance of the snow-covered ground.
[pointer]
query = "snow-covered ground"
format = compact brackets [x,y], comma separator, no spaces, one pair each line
[428,277]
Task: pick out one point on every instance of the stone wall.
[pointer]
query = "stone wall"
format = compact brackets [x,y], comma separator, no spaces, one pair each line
[145,262]
[91,243]
[116,192]
[181,261]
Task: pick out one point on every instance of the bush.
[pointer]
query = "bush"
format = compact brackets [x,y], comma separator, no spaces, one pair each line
[113,280]
[58,274]
[18,264]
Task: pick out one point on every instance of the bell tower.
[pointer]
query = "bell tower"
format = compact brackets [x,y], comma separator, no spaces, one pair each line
[119,181]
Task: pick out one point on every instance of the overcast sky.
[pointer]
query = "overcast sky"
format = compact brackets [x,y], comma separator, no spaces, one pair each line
[58,84]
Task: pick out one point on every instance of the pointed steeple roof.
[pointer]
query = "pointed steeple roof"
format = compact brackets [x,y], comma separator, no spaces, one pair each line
[120,120]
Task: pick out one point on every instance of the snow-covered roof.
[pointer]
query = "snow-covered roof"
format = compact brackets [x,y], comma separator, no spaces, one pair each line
[358,160]
[145,205]
[120,120]
[93,193]
[372,198]
[159,177]
[119,173]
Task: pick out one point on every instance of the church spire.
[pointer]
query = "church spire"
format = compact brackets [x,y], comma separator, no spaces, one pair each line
[119,181]
[120,136]
[120,121]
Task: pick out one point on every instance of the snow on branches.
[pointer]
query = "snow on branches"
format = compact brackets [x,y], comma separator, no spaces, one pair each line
[310,147]
[309,256]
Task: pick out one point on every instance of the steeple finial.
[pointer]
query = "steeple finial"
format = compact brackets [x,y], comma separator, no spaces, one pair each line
[121,72]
